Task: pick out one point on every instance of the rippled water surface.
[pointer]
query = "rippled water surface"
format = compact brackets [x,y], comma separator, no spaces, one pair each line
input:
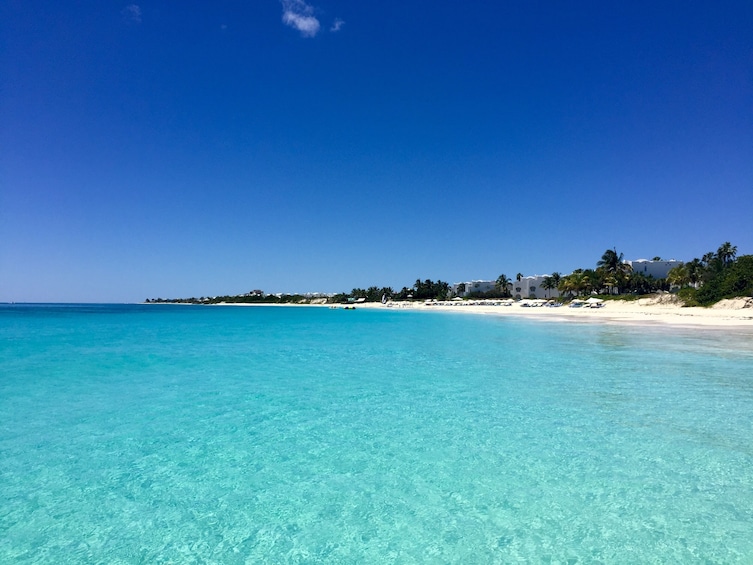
[179,434]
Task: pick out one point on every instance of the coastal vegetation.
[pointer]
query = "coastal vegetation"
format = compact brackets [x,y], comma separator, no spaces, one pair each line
[715,276]
[612,276]
[248,298]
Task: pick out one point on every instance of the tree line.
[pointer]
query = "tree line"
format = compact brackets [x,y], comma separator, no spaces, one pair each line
[421,290]
[235,299]
[716,275]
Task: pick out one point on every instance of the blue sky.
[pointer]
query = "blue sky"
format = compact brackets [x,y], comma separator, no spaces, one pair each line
[159,148]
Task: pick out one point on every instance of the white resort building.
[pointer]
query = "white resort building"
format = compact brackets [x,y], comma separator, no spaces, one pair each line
[531,287]
[655,269]
[467,288]
[526,287]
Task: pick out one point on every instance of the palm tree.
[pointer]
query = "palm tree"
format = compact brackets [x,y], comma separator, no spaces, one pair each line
[640,283]
[502,285]
[518,276]
[613,264]
[726,253]
[592,280]
[574,284]
[609,282]
[610,261]
[679,276]
[556,278]
[695,272]
[551,282]
[548,284]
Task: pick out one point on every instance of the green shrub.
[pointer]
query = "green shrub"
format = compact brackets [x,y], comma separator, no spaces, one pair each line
[688,296]
[729,282]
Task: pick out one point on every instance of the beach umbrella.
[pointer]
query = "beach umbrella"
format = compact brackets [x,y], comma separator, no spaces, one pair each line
[594,300]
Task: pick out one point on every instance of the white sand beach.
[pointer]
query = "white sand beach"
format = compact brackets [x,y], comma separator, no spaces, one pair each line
[663,309]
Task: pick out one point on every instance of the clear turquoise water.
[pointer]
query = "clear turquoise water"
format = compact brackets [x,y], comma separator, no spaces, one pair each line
[174,434]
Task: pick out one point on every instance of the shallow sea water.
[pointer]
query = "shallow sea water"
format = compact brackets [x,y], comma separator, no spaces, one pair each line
[179,434]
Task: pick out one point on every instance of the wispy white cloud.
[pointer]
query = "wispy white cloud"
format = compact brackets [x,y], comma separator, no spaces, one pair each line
[132,13]
[337,25]
[299,15]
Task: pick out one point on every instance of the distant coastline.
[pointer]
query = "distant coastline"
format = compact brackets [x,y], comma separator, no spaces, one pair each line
[658,309]
[716,289]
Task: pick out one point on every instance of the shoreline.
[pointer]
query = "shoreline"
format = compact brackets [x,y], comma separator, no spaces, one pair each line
[735,313]
[640,312]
